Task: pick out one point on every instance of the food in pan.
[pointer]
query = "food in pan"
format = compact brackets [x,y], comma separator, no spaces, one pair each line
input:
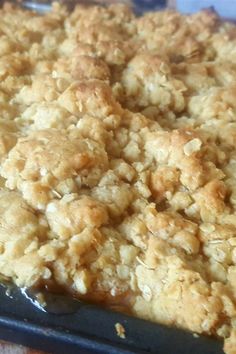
[118,161]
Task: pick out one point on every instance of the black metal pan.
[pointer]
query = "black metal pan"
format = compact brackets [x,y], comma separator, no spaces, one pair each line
[67,326]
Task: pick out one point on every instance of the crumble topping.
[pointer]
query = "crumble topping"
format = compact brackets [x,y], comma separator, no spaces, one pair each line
[118,161]
[120,330]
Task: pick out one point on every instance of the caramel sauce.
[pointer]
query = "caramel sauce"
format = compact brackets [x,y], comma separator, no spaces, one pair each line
[59,299]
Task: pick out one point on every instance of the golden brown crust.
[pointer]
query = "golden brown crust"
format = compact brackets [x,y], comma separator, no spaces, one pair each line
[70,216]
[118,160]
[230,343]
[51,162]
[86,67]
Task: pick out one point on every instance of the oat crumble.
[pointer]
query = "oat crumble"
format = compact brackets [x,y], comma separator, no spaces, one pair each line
[118,161]
[120,330]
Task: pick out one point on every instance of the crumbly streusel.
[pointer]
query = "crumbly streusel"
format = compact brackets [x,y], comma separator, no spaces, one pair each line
[118,160]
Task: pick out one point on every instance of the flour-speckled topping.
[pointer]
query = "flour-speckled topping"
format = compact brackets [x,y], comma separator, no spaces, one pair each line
[118,161]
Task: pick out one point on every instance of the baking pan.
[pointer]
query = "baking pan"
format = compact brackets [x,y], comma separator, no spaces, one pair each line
[139,6]
[68,326]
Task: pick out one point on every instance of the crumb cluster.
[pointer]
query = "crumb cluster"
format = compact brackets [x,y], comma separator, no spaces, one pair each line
[120,330]
[118,161]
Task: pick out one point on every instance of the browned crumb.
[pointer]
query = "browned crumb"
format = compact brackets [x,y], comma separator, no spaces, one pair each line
[120,330]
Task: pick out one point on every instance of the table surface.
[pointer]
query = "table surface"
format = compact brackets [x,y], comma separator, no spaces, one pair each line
[9,348]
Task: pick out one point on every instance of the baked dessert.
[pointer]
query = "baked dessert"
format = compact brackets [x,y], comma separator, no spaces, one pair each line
[118,161]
